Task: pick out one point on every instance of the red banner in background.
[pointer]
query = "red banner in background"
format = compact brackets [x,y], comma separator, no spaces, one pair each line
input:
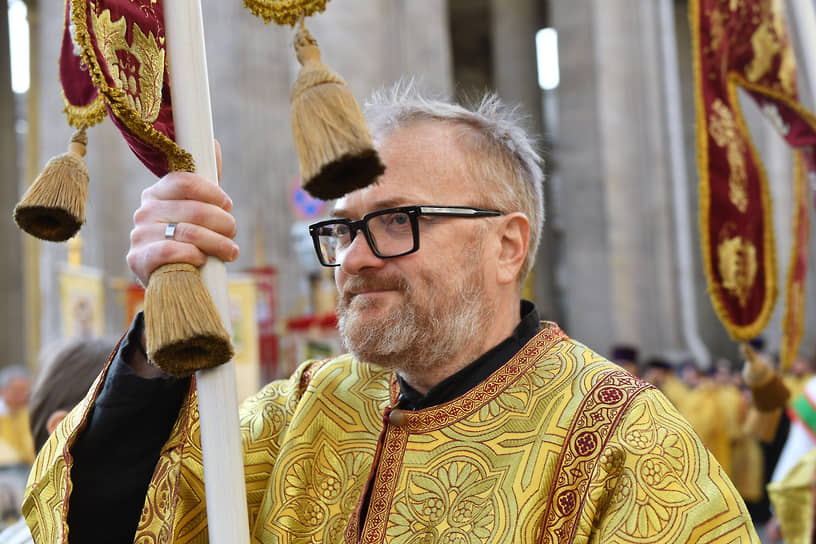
[793,322]
[266,284]
[742,44]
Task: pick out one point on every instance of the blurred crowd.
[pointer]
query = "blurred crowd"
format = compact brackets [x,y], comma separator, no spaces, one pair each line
[745,425]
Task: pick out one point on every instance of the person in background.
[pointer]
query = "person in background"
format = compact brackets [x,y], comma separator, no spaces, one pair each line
[660,373]
[626,356]
[792,489]
[15,386]
[797,375]
[65,376]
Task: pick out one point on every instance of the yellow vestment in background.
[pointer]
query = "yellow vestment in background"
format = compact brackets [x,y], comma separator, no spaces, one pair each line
[15,431]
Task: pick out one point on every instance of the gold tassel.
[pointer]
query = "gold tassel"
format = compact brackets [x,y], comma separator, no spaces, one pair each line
[763,425]
[334,146]
[183,329]
[768,390]
[53,208]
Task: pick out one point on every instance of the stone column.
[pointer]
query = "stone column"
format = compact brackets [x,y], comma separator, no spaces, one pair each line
[11,276]
[619,249]
[515,78]
[578,191]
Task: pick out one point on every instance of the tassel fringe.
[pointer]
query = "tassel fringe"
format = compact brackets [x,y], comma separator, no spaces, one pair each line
[53,208]
[183,329]
[333,143]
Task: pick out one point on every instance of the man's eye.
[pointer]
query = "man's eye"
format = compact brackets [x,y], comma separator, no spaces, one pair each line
[341,231]
[393,220]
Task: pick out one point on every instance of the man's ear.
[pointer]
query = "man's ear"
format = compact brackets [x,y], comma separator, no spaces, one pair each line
[515,241]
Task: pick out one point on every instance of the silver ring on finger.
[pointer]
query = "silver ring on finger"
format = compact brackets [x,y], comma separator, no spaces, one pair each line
[170,231]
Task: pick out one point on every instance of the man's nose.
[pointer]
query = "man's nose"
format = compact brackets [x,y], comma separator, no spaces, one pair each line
[358,256]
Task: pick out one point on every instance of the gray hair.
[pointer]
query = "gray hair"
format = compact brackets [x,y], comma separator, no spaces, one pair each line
[7,374]
[504,153]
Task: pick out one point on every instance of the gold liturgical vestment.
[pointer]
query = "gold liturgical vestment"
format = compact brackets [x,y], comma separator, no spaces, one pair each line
[558,445]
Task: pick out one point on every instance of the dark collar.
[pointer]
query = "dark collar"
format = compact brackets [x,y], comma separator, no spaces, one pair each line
[476,372]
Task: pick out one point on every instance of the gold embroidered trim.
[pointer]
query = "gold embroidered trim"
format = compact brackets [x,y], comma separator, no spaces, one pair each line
[163,496]
[284,12]
[82,117]
[591,427]
[177,158]
[382,494]
[55,489]
[431,419]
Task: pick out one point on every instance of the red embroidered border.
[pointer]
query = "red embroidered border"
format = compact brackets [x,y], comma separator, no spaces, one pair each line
[589,432]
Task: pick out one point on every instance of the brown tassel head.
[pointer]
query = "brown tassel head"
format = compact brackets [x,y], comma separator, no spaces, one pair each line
[333,143]
[53,208]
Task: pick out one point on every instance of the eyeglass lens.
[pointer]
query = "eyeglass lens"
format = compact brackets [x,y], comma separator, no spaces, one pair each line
[390,234]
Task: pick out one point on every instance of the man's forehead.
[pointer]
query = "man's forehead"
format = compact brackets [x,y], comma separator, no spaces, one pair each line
[362,202]
[422,166]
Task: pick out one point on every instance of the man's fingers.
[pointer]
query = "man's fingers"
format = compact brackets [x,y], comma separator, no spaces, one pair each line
[208,216]
[188,186]
[206,241]
[150,255]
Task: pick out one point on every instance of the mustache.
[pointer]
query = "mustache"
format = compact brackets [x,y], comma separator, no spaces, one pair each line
[359,284]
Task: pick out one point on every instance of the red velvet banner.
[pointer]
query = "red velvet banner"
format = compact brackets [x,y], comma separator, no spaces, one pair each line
[83,104]
[741,44]
[121,45]
[793,322]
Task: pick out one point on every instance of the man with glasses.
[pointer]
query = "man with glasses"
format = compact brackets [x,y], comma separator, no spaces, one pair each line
[457,416]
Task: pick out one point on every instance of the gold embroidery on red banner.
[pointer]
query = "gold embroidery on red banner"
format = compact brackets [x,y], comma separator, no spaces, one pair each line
[724,130]
[765,46]
[117,99]
[737,267]
[138,68]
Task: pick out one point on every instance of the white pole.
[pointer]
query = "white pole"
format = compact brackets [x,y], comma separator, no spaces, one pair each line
[227,516]
[679,178]
[803,26]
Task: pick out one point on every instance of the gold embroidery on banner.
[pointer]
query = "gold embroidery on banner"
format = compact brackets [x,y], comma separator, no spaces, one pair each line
[143,58]
[717,28]
[177,158]
[787,71]
[765,46]
[724,131]
[738,267]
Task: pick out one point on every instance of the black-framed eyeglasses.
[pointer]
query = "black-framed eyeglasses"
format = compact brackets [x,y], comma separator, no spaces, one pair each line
[392,232]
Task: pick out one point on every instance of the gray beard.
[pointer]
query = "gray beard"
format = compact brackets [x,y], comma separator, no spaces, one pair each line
[415,338]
